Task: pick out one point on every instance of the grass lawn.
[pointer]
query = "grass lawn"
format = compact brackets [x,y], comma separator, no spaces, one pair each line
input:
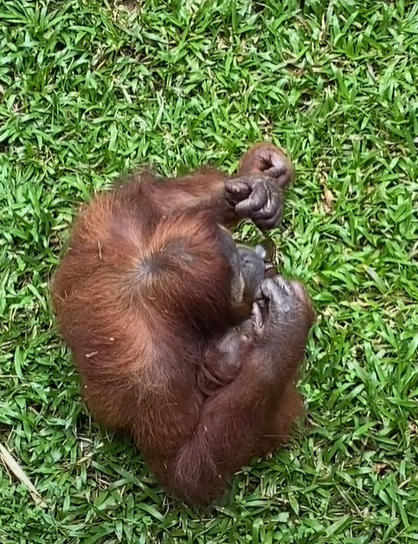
[89,90]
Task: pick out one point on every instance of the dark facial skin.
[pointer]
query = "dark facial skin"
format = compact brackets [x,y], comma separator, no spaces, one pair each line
[252,266]
[249,265]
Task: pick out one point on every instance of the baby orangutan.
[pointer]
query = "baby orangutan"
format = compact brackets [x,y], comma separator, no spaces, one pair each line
[179,338]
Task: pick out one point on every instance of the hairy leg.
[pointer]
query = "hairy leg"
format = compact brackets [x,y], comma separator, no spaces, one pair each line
[289,409]
[256,192]
[232,422]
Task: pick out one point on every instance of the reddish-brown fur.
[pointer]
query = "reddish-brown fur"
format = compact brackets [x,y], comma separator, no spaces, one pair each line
[143,295]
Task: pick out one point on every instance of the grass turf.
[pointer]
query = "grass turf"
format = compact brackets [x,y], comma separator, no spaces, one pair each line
[89,90]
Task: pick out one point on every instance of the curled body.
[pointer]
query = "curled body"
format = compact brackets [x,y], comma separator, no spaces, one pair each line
[179,339]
